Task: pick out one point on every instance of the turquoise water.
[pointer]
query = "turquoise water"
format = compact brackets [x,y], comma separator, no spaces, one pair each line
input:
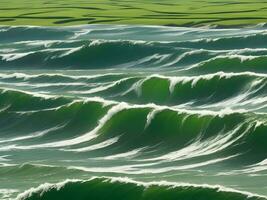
[133,112]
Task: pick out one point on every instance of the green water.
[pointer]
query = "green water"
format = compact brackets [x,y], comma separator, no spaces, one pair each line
[133,112]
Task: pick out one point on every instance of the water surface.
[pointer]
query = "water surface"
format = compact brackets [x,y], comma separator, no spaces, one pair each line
[133,112]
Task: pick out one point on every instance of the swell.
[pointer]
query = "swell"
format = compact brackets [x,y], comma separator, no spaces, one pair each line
[46,117]
[17,100]
[127,189]
[89,55]
[194,90]
[59,77]
[205,37]
[232,63]
[80,125]
[108,53]
[20,33]
[253,40]
[133,88]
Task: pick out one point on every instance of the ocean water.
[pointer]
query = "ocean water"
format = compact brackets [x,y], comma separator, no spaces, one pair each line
[106,112]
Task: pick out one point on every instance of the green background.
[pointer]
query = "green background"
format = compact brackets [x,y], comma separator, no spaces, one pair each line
[149,12]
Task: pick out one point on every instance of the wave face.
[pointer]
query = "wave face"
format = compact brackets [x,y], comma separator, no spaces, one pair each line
[117,189]
[180,113]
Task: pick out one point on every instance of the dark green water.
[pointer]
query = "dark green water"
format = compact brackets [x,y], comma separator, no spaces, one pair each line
[133,113]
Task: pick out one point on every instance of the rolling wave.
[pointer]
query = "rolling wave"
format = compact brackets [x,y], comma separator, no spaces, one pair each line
[125,54]
[234,63]
[39,48]
[127,189]
[93,125]
[88,55]
[205,90]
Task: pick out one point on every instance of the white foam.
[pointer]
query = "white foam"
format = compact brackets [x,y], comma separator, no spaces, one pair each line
[48,186]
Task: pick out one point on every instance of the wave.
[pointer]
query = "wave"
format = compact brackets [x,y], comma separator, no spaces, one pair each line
[59,78]
[162,90]
[91,54]
[20,33]
[252,40]
[233,63]
[34,116]
[17,100]
[149,103]
[194,90]
[121,188]
[107,53]
[114,128]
